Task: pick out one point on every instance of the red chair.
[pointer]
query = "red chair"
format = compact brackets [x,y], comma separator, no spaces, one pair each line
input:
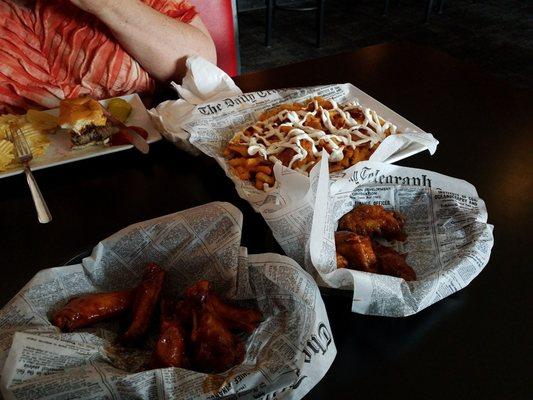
[220,19]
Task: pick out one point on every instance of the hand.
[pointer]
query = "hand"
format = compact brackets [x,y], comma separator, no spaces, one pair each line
[91,6]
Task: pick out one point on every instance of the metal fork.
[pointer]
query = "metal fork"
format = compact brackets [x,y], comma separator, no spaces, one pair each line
[24,156]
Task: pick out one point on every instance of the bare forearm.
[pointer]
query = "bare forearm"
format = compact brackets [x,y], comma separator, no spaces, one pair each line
[159,43]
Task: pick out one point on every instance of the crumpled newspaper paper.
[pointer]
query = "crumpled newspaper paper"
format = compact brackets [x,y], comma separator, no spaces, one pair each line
[448,238]
[203,82]
[285,357]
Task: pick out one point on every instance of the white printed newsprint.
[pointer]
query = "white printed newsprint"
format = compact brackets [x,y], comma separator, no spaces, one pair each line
[448,238]
[286,356]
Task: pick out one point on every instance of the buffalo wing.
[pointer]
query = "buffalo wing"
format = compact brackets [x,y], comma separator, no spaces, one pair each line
[393,263]
[89,309]
[201,331]
[216,349]
[170,349]
[146,298]
[237,318]
[374,220]
[356,250]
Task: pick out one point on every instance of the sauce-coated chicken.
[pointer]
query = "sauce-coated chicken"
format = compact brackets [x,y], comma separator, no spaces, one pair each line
[170,349]
[89,309]
[146,298]
[356,250]
[393,263]
[374,220]
[237,318]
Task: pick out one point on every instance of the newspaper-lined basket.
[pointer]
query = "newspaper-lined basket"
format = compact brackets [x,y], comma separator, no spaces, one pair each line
[287,208]
[282,359]
[448,238]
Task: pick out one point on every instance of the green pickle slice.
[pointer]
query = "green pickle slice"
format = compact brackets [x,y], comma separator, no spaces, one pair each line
[119,108]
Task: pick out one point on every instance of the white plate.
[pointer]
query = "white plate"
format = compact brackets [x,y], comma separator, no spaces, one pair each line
[59,151]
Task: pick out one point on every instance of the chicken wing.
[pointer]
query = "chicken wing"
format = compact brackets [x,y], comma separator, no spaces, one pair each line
[216,349]
[170,349]
[86,310]
[146,297]
[374,220]
[356,250]
[237,318]
[393,263]
[342,262]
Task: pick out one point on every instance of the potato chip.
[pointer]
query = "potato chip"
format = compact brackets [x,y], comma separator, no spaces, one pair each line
[38,151]
[34,136]
[6,154]
[33,133]
[41,120]
[5,120]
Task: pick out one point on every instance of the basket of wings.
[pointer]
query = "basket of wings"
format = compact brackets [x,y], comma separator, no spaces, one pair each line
[172,307]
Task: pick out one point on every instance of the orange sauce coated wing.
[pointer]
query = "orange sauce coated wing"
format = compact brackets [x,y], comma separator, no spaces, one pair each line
[373,220]
[86,310]
[356,250]
[146,298]
[393,263]
[216,349]
[237,318]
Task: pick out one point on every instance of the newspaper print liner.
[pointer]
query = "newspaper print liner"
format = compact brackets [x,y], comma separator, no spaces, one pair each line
[286,356]
[448,238]
[210,126]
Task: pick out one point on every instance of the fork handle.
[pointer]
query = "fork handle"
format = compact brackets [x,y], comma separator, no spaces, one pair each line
[43,214]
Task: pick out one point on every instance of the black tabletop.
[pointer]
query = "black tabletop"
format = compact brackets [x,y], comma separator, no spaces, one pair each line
[474,344]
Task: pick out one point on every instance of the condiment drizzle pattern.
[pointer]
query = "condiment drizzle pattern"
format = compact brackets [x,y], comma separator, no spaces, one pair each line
[268,140]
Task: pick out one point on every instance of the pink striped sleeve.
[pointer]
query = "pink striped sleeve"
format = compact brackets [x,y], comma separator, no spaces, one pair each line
[56,51]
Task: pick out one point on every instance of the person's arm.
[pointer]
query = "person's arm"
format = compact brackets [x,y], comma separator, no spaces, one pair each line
[159,43]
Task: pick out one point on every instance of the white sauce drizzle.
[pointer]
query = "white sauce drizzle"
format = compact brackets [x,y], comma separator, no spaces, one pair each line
[268,140]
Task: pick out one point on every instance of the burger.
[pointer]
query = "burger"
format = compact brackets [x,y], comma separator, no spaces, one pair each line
[85,120]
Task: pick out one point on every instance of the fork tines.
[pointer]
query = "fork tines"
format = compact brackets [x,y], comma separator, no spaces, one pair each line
[22,147]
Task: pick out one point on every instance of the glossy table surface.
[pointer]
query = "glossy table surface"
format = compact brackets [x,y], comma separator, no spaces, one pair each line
[474,344]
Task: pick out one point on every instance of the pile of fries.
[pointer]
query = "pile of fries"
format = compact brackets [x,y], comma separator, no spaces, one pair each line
[295,135]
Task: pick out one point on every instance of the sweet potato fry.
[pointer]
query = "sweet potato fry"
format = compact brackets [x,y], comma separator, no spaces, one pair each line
[253,162]
[237,162]
[239,149]
[260,176]
[288,130]
[263,168]
[242,173]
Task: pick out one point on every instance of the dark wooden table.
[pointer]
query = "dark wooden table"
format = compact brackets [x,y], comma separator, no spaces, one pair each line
[474,344]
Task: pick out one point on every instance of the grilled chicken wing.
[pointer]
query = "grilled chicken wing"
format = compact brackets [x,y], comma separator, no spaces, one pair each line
[356,250]
[146,297]
[393,263]
[86,310]
[374,220]
[170,349]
